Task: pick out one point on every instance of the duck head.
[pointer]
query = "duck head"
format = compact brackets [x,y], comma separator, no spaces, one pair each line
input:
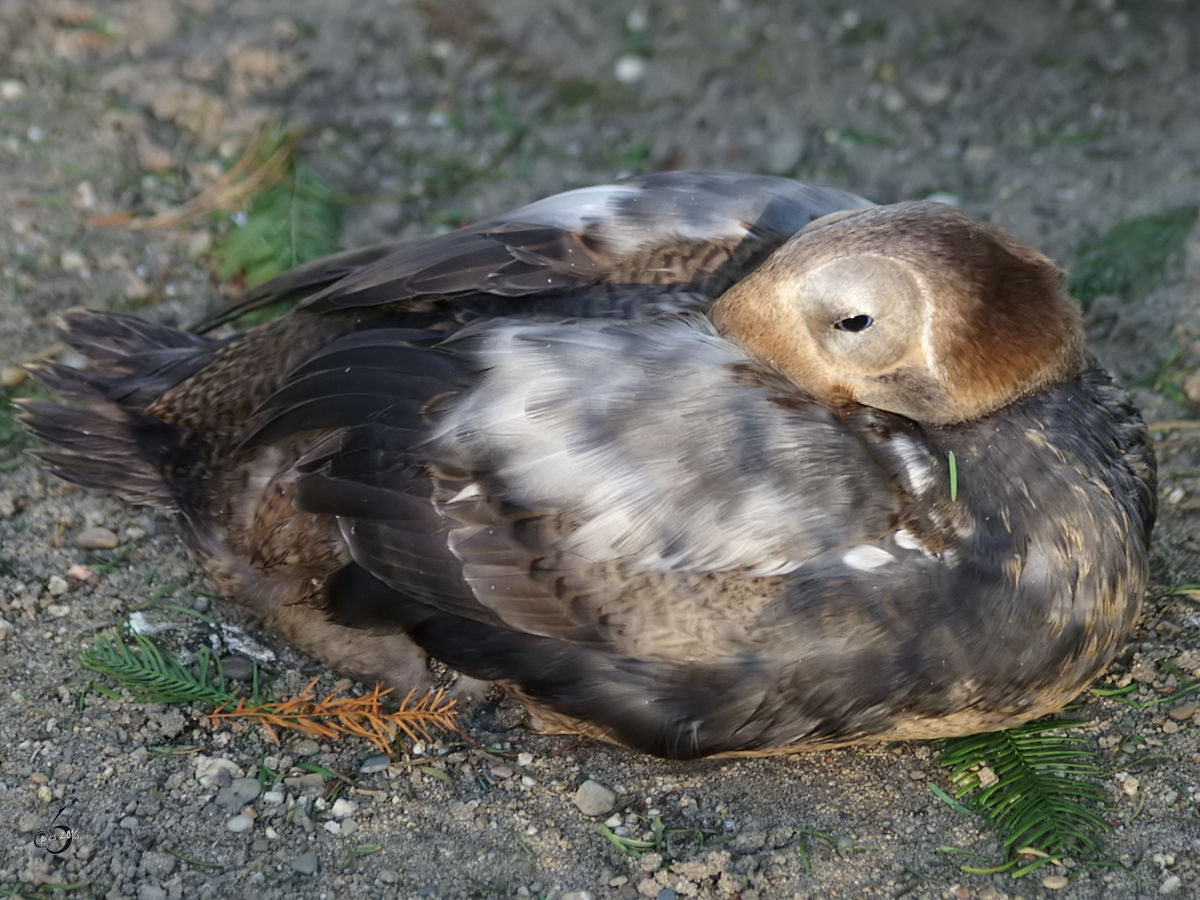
[914,308]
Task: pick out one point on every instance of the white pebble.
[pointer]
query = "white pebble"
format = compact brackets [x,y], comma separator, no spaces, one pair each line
[96,539]
[57,586]
[333,827]
[594,799]
[208,769]
[629,69]
[273,797]
[343,807]
[240,823]
[1171,885]
[11,89]
[72,261]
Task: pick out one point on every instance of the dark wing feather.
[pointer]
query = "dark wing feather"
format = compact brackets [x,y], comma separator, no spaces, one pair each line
[705,230]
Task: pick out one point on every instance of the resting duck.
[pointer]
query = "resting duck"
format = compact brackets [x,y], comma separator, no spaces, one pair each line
[698,463]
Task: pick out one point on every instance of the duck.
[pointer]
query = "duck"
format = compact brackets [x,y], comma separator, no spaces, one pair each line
[696,463]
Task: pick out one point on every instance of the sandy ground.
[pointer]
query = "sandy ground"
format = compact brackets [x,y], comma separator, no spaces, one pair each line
[1055,120]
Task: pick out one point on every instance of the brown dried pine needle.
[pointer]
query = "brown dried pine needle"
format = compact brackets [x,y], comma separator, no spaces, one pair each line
[334,716]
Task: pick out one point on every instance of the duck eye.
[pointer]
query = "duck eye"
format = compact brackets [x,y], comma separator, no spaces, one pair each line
[854,323]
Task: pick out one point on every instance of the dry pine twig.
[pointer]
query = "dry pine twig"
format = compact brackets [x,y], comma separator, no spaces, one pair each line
[227,193]
[333,716]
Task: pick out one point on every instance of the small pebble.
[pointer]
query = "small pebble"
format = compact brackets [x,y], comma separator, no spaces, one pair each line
[502,771]
[1183,712]
[306,863]
[945,198]
[333,827]
[578,895]
[237,667]
[629,69]
[1171,885]
[343,807]
[238,793]
[387,876]
[11,377]
[274,797]
[1191,387]
[240,823]
[594,799]
[57,586]
[209,769]
[373,764]
[80,573]
[1055,882]
[72,260]
[130,822]
[306,747]
[666,894]
[11,89]
[524,759]
[1170,727]
[96,539]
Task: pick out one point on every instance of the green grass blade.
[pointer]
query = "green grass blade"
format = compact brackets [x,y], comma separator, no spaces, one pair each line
[1133,258]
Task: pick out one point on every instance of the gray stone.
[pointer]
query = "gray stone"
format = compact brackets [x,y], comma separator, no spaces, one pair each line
[237,667]
[240,823]
[157,865]
[239,792]
[594,799]
[373,764]
[96,539]
[306,747]
[306,863]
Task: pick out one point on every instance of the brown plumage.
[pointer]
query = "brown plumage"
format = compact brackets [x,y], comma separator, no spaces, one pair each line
[668,458]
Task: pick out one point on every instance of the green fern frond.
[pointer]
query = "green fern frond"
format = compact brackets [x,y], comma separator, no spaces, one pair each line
[1043,797]
[293,216]
[289,223]
[152,675]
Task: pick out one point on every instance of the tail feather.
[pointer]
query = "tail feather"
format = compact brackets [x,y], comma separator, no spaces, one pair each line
[118,340]
[97,435]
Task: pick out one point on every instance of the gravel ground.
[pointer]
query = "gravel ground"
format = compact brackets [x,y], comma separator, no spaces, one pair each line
[1055,120]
